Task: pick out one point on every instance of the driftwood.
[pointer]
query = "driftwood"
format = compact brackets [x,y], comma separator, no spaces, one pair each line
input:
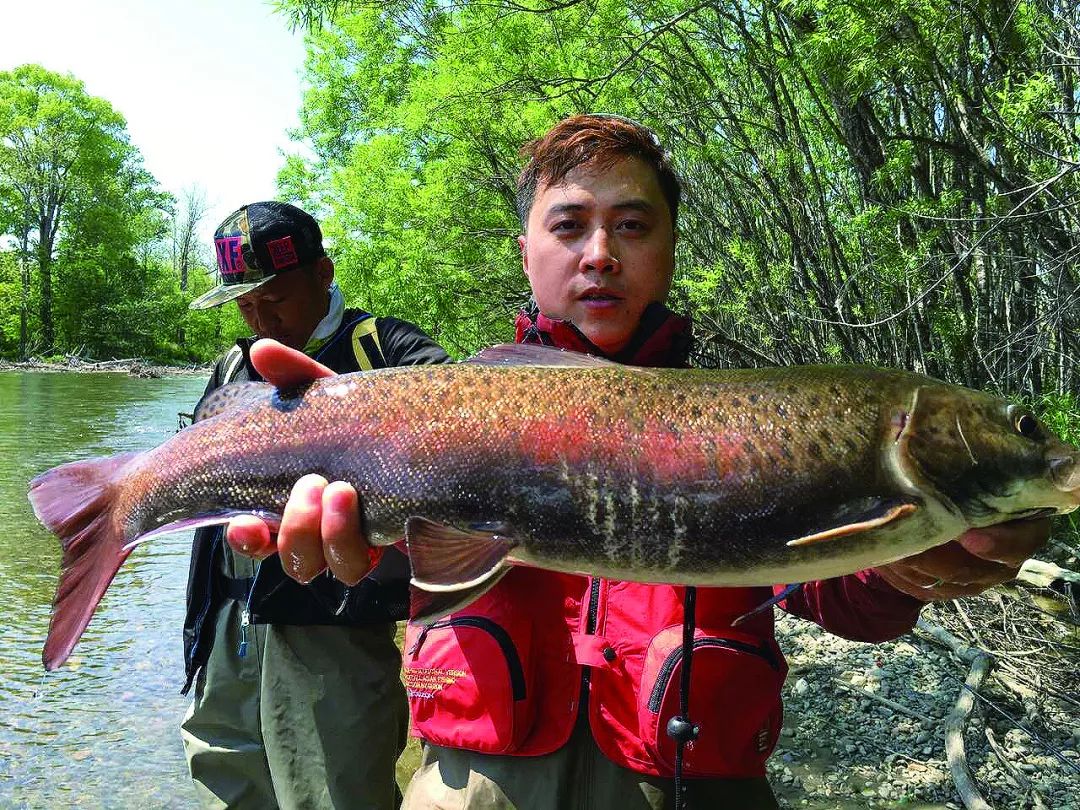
[884,701]
[980,666]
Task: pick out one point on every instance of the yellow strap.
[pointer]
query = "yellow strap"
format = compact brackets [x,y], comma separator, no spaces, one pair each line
[367,326]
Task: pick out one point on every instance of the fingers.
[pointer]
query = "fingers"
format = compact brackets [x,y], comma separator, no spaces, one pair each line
[915,581]
[975,561]
[1008,543]
[299,540]
[344,545]
[284,367]
[250,536]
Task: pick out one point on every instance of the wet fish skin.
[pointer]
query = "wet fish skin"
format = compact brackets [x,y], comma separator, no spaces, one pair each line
[743,477]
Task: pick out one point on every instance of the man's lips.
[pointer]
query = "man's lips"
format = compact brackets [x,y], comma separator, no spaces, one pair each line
[599,296]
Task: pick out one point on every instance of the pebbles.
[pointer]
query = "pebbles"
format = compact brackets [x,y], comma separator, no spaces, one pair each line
[842,747]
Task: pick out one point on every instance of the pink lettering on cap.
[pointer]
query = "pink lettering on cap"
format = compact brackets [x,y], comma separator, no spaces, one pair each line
[282,253]
[230,259]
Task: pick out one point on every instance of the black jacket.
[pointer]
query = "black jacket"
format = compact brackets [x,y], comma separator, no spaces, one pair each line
[361,342]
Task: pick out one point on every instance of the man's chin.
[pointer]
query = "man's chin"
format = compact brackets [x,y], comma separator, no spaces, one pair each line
[284,340]
[609,339]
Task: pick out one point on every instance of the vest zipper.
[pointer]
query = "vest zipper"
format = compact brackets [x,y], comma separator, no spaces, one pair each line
[245,620]
[590,628]
[656,696]
[497,632]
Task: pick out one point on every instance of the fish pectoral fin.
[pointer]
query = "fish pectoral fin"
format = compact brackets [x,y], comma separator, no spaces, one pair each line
[445,558]
[871,518]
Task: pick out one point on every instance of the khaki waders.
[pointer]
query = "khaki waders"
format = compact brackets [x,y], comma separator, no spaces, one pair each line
[311,717]
[576,777]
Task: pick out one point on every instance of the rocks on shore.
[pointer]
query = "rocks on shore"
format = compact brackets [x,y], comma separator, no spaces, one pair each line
[864,723]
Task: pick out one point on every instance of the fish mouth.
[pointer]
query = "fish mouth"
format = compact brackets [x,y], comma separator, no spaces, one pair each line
[1065,473]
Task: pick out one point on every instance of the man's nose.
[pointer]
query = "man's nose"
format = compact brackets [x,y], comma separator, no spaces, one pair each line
[264,318]
[599,254]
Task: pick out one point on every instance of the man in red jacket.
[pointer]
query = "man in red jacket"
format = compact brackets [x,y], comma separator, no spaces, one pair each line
[554,691]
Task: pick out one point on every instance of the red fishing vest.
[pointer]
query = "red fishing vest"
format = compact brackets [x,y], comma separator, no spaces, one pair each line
[509,674]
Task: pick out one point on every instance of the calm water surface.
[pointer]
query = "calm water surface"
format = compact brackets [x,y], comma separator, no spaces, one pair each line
[102,731]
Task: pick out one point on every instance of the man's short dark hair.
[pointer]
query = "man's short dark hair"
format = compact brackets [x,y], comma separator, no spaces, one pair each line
[597,141]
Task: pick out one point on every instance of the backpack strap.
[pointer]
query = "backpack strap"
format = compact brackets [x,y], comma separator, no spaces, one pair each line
[366,346]
[234,359]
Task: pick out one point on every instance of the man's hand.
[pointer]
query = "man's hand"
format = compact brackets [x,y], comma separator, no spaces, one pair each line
[976,560]
[321,525]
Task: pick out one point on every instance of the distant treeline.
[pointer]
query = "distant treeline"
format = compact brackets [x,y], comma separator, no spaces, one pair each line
[95,260]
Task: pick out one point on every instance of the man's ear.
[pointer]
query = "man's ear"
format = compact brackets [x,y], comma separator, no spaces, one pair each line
[523,247]
[324,270]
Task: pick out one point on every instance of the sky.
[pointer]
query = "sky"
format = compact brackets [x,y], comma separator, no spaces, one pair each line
[209,88]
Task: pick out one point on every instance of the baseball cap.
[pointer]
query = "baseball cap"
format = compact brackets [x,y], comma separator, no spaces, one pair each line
[257,242]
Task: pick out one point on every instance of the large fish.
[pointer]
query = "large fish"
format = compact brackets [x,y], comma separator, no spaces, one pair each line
[529,455]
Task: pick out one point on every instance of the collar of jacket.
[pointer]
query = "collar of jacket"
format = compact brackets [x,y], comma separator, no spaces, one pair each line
[663,339]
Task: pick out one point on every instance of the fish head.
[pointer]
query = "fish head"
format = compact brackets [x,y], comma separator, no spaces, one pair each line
[991,459]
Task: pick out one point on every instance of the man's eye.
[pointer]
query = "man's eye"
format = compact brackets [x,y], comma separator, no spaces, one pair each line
[635,225]
[565,225]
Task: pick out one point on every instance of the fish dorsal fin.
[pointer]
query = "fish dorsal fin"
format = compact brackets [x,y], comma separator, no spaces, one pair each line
[870,516]
[531,354]
[232,395]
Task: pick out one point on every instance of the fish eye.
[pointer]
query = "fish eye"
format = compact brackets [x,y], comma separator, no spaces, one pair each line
[1027,425]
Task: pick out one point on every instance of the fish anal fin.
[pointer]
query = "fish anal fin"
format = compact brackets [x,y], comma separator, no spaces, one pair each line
[444,558]
[872,519]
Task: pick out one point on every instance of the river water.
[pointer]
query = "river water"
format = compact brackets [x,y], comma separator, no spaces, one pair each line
[102,731]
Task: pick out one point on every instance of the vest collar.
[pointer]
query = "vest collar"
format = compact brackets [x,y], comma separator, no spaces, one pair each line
[663,339]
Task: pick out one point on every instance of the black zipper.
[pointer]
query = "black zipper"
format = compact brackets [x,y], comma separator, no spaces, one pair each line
[656,696]
[502,638]
[590,628]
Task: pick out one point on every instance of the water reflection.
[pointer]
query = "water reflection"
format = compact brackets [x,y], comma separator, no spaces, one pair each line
[102,730]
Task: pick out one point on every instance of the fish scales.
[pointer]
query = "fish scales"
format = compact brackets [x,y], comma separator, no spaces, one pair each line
[750,450]
[733,477]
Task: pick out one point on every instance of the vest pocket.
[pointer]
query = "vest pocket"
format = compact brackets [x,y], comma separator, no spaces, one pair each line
[469,682]
[735,685]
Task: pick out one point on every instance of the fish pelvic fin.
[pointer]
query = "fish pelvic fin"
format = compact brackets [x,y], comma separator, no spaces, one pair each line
[885,513]
[76,502]
[427,607]
[232,395]
[451,566]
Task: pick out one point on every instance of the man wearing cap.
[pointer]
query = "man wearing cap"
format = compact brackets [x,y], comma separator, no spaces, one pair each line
[298,700]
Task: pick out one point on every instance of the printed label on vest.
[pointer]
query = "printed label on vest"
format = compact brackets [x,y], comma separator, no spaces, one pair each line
[423,682]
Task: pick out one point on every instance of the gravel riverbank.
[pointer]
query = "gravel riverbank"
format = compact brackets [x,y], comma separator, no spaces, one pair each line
[865,724]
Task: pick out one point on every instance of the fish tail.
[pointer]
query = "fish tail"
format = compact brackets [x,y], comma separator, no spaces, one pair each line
[77,503]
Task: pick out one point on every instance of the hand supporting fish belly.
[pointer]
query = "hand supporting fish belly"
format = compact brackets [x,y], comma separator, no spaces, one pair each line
[715,478]
[975,561]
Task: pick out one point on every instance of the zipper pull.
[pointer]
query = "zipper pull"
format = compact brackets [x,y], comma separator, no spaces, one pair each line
[419,641]
[245,620]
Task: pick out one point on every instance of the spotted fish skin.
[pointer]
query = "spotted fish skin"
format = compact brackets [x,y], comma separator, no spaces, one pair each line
[731,477]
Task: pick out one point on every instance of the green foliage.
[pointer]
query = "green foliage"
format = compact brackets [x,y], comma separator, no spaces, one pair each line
[99,277]
[863,182]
